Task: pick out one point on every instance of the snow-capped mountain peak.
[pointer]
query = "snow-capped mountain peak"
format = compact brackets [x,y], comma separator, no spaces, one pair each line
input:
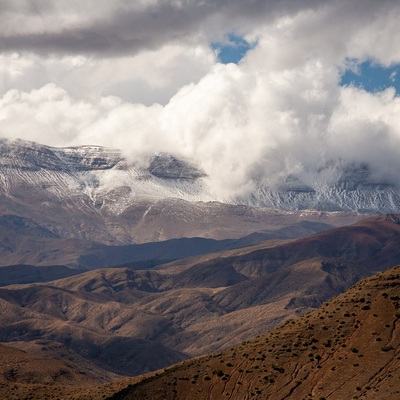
[102,180]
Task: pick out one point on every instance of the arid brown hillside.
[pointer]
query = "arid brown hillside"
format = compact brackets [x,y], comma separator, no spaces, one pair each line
[17,365]
[144,220]
[25,376]
[347,349]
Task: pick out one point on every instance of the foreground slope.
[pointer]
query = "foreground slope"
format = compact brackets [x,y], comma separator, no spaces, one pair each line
[348,348]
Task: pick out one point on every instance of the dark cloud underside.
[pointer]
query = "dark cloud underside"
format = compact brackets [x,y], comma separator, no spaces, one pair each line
[124,30]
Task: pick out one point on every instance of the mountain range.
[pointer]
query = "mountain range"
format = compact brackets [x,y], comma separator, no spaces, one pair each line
[111,268]
[80,207]
[127,321]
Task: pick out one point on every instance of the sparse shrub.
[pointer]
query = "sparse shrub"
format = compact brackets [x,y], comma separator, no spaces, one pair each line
[386,348]
[277,368]
[354,350]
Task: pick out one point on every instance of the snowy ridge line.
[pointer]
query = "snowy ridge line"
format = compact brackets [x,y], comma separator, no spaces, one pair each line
[102,181]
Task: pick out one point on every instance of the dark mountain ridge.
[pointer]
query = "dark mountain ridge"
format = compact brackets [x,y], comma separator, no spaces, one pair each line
[23,241]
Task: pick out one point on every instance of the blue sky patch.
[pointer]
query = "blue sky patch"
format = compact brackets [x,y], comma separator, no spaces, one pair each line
[232,50]
[372,77]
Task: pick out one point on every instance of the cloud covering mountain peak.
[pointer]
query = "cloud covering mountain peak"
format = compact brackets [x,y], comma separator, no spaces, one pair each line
[156,87]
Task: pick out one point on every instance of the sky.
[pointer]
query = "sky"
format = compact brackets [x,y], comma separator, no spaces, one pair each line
[254,92]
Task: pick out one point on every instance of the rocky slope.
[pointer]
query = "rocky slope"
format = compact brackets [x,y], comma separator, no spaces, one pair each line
[348,348]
